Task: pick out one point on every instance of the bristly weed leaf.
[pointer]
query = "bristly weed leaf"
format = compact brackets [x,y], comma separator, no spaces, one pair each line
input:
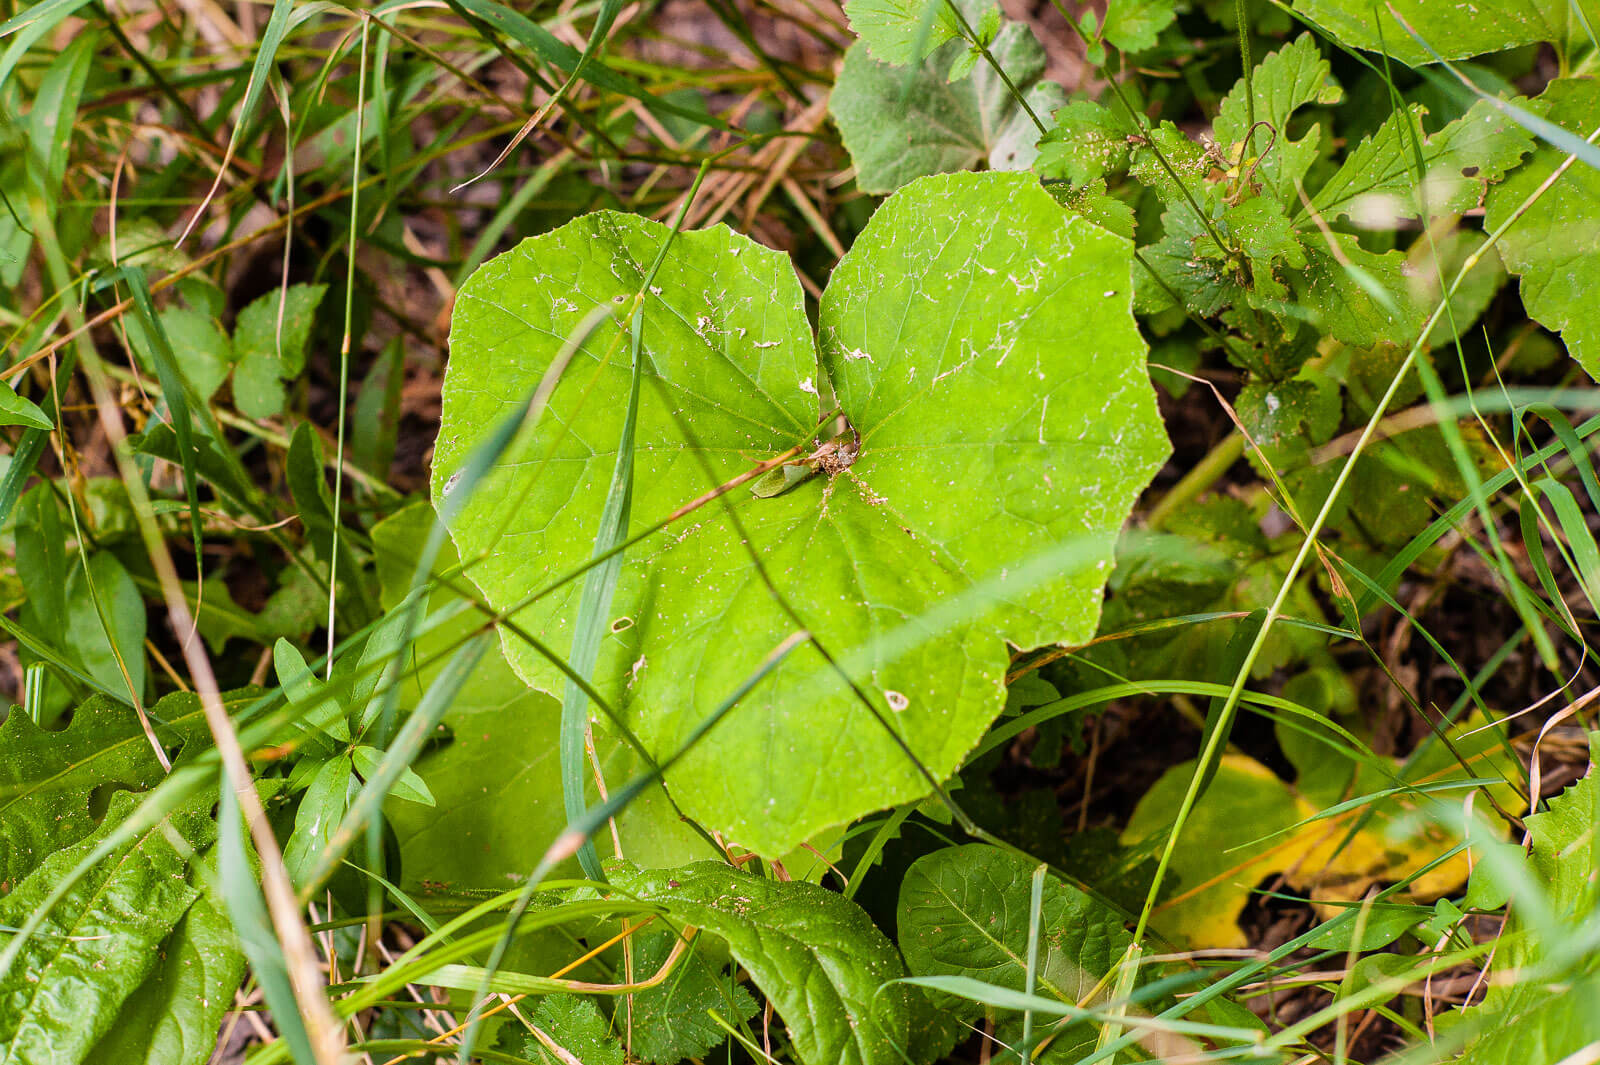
[571,1028]
[1004,355]
[672,1021]
[109,925]
[47,778]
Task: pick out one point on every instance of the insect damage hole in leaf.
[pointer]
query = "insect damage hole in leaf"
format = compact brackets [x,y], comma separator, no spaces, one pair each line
[980,341]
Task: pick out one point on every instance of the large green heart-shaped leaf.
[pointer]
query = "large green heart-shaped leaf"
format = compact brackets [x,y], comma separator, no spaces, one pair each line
[979,339]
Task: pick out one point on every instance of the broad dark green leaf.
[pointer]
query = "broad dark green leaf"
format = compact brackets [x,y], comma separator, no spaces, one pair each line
[46,778]
[172,1018]
[966,911]
[99,943]
[814,954]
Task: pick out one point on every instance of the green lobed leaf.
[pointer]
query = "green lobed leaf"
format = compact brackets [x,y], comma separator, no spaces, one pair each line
[816,956]
[994,365]
[1087,141]
[1377,182]
[100,941]
[46,778]
[899,125]
[672,1021]
[1293,77]
[1355,295]
[1132,25]
[575,1024]
[1555,246]
[902,32]
[1456,30]
[966,911]
[172,1018]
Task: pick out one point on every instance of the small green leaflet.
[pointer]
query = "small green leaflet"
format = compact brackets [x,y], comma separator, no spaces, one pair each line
[18,410]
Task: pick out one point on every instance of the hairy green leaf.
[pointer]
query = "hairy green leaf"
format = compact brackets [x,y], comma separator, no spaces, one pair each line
[1293,77]
[897,130]
[172,1018]
[46,778]
[1377,184]
[1555,246]
[814,954]
[19,410]
[99,942]
[996,366]
[574,1024]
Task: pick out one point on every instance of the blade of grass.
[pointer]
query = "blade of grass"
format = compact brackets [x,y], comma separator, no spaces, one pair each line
[266,55]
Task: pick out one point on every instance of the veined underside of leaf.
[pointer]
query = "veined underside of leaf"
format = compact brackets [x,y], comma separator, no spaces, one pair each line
[981,342]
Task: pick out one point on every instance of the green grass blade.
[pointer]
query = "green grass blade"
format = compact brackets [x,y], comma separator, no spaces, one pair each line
[249,913]
[599,586]
[266,55]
